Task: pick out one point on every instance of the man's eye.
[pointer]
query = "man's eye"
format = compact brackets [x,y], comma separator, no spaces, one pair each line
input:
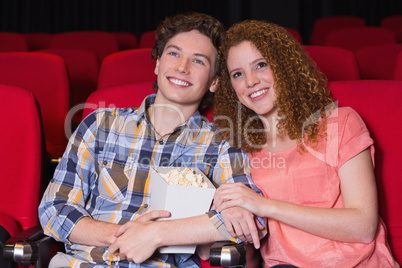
[172,53]
[199,62]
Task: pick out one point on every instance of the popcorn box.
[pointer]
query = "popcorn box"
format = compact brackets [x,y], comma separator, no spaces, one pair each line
[180,201]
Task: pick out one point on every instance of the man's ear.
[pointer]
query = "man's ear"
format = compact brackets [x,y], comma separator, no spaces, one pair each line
[214,85]
[156,70]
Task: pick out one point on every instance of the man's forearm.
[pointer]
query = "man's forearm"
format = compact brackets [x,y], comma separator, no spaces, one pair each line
[91,232]
[190,231]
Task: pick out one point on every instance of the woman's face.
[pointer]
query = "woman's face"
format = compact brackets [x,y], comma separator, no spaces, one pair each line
[252,78]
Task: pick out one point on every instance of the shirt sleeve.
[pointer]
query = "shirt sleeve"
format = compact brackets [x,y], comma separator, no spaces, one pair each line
[63,203]
[233,166]
[354,136]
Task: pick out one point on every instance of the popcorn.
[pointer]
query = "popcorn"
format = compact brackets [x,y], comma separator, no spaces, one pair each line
[184,177]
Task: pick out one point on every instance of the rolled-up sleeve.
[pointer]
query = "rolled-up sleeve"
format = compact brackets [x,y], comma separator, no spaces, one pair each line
[63,203]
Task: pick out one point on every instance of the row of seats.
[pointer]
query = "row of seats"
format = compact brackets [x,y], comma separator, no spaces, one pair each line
[62,79]
[20,194]
[323,26]
[101,42]
[372,62]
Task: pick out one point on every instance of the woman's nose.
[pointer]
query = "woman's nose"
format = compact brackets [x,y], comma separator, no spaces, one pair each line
[252,79]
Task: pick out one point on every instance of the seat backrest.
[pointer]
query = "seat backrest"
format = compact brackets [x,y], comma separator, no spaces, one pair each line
[378,103]
[122,96]
[45,75]
[378,62]
[101,43]
[83,71]
[12,42]
[21,156]
[147,39]
[358,37]
[296,34]
[398,67]
[322,26]
[126,40]
[336,63]
[126,67]
[37,41]
[392,22]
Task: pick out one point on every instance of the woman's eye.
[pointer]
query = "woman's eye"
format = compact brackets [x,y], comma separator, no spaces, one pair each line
[236,75]
[261,65]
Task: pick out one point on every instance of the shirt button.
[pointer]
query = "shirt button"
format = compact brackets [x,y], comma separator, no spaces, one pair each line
[145,205]
[161,142]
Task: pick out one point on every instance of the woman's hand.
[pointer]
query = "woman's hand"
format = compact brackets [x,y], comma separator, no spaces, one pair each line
[230,195]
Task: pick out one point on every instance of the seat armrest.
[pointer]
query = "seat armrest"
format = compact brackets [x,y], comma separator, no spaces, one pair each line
[31,247]
[227,254]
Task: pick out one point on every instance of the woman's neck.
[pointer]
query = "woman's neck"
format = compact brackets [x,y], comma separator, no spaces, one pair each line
[276,142]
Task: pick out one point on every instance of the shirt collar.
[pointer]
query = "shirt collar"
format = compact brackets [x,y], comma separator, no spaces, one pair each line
[193,124]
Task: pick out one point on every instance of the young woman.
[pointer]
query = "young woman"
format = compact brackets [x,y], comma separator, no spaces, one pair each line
[312,160]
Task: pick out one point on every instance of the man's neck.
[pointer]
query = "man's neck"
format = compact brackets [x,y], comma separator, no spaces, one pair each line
[166,117]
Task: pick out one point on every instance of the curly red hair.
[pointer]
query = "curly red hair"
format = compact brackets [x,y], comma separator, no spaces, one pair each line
[302,95]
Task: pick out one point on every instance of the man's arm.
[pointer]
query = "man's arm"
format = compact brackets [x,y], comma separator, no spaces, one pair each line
[63,203]
[88,231]
[150,235]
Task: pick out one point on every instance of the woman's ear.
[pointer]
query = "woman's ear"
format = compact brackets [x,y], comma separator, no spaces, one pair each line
[214,85]
[156,70]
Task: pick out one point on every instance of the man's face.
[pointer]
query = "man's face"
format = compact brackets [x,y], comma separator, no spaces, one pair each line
[185,69]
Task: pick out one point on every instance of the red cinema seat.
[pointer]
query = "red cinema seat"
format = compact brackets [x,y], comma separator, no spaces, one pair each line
[12,42]
[45,75]
[21,159]
[37,41]
[336,63]
[83,71]
[378,103]
[378,62]
[147,39]
[126,40]
[126,67]
[394,23]
[398,67]
[358,37]
[122,96]
[296,34]
[322,26]
[101,43]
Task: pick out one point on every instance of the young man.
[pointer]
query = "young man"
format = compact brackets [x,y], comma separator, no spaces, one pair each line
[97,202]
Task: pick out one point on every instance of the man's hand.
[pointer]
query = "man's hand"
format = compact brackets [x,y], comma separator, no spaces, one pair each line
[137,240]
[242,224]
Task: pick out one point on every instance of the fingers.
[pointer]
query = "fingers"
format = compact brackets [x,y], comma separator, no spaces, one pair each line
[154,215]
[114,249]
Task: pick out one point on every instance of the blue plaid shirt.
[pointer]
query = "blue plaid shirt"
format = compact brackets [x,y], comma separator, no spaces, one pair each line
[105,171]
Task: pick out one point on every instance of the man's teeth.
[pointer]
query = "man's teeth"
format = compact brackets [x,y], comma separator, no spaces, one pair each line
[258,93]
[179,82]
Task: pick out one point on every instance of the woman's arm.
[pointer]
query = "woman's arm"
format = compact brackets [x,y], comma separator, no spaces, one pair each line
[356,222]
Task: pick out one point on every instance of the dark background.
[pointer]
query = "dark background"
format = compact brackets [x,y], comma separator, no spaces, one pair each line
[138,16]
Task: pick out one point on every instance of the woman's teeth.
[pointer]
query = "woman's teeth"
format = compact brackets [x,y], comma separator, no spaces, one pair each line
[258,93]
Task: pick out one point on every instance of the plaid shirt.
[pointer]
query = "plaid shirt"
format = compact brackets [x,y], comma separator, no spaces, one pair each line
[105,171]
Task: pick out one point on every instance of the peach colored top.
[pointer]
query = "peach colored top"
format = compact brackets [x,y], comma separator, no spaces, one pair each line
[311,179]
